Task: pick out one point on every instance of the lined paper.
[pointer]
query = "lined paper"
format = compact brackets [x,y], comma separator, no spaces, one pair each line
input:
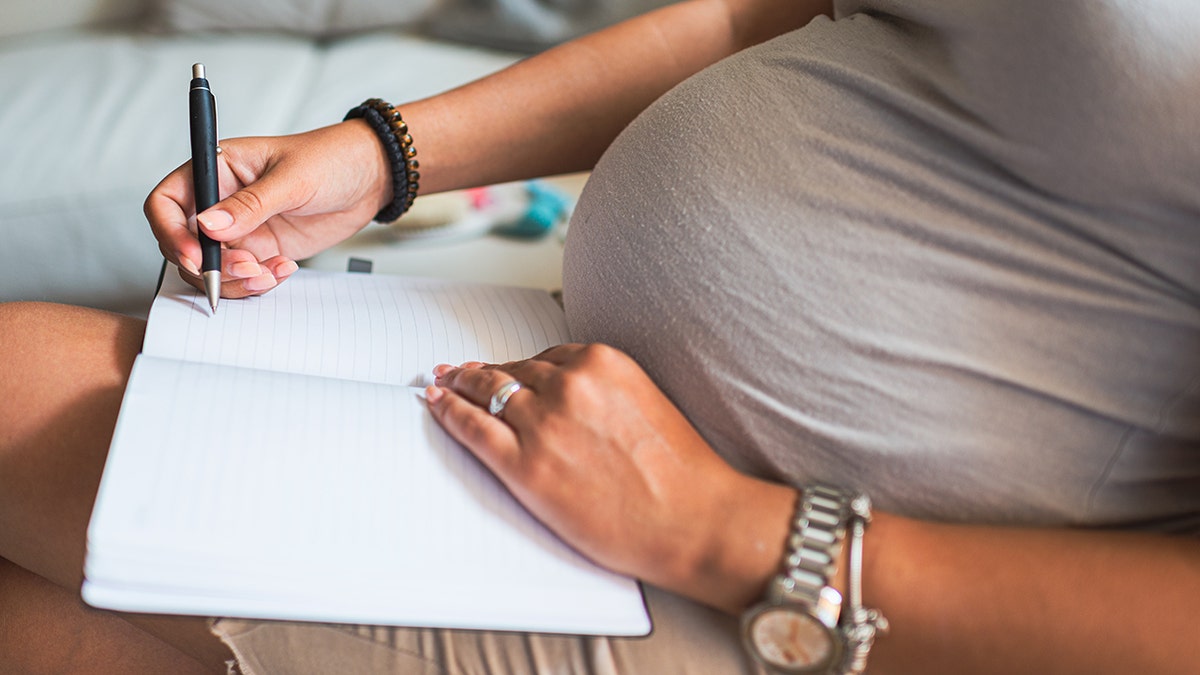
[246,480]
[372,328]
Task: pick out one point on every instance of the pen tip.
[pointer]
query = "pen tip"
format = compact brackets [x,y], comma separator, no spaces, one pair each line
[212,288]
[198,71]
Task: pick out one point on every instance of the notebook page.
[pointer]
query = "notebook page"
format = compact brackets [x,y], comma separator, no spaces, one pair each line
[373,328]
[323,499]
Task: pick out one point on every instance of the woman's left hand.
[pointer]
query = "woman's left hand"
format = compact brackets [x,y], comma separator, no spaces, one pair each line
[599,454]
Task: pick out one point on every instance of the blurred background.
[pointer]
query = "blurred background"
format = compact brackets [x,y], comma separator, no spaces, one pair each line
[93,112]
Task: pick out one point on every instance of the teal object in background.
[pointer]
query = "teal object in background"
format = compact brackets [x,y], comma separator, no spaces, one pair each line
[547,207]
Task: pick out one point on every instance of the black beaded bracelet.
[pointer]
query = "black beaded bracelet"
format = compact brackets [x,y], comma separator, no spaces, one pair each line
[398,144]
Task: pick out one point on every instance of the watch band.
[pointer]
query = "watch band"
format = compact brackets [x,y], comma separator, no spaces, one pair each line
[818,530]
[828,518]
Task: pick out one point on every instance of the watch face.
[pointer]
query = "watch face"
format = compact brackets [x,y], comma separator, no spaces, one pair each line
[790,640]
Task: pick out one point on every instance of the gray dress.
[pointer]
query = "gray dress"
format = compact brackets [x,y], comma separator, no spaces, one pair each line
[948,252]
[945,251]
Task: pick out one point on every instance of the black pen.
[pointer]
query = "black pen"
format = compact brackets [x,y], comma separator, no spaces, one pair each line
[202,108]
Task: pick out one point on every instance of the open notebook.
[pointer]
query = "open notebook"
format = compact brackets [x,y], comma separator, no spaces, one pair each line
[276,461]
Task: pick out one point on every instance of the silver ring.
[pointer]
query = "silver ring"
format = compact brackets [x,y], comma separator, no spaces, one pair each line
[500,398]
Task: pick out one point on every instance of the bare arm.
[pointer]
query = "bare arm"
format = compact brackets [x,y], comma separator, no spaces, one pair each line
[1007,600]
[290,197]
[661,506]
[987,599]
[556,112]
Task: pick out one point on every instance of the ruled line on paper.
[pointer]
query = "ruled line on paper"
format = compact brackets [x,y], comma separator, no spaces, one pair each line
[333,464]
[373,328]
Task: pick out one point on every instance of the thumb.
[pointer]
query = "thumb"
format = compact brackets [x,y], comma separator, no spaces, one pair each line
[242,212]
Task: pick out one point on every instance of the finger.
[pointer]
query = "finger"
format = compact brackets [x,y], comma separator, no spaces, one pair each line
[239,264]
[476,384]
[193,280]
[271,272]
[479,385]
[479,382]
[243,276]
[535,373]
[235,288]
[280,266]
[491,440]
[527,371]
[560,355]
[441,369]
[244,288]
[166,209]
[240,213]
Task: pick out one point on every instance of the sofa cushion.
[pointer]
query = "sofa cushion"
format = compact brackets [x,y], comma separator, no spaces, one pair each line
[528,25]
[516,25]
[30,16]
[320,18]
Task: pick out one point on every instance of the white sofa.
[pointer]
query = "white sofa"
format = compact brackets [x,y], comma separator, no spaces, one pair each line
[93,109]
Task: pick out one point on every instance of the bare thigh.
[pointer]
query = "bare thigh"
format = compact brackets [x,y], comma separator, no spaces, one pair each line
[64,373]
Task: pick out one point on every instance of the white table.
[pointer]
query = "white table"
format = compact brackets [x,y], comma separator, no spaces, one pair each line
[481,258]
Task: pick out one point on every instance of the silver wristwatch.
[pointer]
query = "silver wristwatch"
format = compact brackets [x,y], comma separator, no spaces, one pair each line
[803,625]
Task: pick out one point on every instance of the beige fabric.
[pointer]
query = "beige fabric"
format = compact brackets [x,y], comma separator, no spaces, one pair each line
[687,638]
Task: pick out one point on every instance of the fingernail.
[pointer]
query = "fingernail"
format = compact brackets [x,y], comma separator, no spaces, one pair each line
[261,282]
[215,221]
[245,269]
[441,369]
[433,394]
[190,266]
[286,268]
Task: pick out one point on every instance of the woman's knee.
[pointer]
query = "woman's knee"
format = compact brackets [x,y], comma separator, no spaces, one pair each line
[55,354]
[36,332]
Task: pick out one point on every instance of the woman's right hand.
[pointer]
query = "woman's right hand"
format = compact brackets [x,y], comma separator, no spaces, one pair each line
[283,199]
